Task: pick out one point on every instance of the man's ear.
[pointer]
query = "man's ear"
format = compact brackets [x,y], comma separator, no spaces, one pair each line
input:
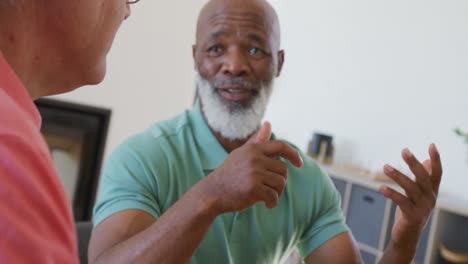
[194,55]
[280,62]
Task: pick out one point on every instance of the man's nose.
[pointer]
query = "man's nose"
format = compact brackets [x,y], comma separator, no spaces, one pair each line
[128,10]
[236,63]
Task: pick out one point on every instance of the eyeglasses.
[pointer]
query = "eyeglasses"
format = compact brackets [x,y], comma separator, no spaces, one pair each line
[132,1]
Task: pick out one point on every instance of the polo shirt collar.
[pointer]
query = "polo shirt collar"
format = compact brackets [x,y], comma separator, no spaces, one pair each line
[212,153]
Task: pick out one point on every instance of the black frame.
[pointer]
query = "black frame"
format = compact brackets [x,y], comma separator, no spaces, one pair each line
[93,122]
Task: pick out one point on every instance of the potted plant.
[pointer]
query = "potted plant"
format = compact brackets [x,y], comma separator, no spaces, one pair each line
[462,134]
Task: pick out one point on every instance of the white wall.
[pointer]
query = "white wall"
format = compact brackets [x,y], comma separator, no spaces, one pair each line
[378,75]
[150,70]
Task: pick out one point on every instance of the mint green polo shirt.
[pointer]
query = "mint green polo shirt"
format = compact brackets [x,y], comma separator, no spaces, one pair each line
[152,170]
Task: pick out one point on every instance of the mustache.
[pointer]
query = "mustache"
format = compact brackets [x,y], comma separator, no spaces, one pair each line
[237,81]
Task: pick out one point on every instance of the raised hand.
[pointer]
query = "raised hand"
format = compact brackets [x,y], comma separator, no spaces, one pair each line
[416,205]
[252,173]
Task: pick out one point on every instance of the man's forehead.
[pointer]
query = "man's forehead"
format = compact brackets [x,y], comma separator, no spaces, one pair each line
[226,23]
[236,19]
[239,14]
[229,34]
[250,18]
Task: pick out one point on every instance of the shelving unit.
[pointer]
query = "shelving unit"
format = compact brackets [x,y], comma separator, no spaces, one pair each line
[370,217]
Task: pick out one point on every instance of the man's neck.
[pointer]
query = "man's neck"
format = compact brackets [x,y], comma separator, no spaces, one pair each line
[19,45]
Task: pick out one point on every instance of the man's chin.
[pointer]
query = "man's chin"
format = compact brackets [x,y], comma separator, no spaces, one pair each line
[96,74]
[234,106]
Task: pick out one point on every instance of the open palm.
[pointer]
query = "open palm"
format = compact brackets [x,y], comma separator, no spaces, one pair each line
[418,201]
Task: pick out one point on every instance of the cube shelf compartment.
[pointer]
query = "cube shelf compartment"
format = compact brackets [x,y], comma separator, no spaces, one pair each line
[370,217]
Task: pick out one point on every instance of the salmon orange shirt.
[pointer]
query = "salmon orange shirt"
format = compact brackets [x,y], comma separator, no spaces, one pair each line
[36,223]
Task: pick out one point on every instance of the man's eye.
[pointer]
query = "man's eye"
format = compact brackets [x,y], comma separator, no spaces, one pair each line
[215,50]
[255,51]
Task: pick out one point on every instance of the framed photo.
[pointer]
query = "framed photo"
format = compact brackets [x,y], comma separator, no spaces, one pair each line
[76,135]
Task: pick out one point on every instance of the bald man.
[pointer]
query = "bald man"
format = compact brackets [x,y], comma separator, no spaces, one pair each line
[214,186]
[46,47]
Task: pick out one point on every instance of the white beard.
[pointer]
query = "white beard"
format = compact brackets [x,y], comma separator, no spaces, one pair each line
[232,121]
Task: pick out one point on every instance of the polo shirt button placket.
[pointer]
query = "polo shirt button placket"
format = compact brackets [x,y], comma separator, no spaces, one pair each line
[238,234]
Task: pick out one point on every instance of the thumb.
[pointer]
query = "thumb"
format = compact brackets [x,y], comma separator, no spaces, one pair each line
[262,135]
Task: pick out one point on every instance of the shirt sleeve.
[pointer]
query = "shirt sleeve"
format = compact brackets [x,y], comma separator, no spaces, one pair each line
[35,217]
[127,183]
[328,221]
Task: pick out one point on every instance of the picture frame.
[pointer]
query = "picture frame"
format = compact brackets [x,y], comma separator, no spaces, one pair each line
[76,135]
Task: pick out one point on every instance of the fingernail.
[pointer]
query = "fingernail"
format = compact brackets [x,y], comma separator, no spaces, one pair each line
[433,146]
[407,153]
[302,160]
[383,188]
[388,169]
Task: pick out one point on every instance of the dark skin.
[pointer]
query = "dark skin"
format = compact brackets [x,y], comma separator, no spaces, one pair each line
[415,205]
[243,42]
[240,38]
